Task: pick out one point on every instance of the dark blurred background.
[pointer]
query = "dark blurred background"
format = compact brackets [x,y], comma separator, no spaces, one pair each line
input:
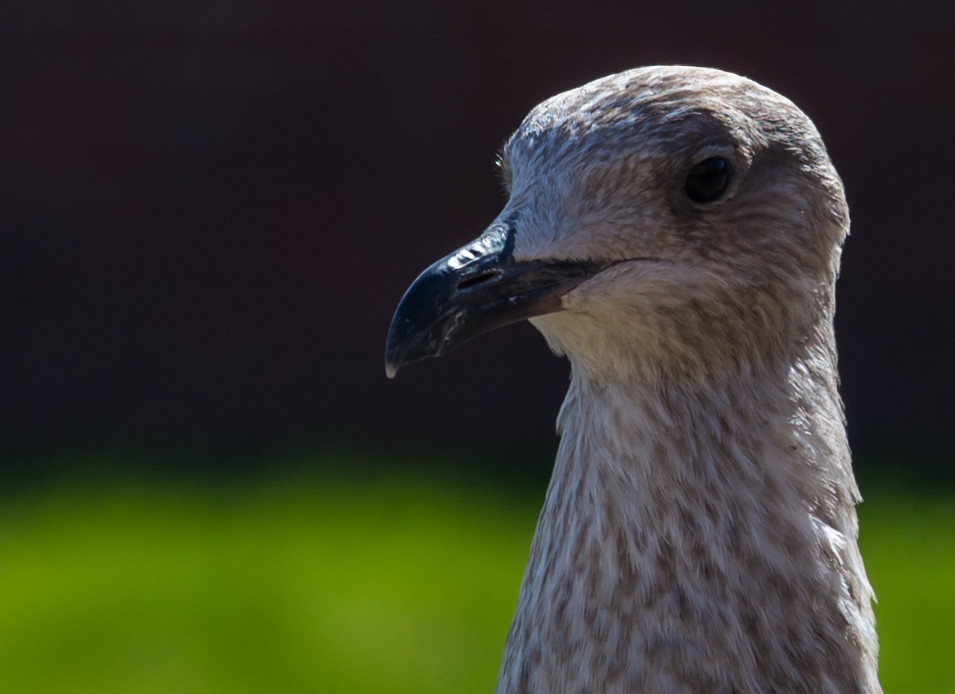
[209,211]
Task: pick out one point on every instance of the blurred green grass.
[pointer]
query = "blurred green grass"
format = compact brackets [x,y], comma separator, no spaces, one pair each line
[373,583]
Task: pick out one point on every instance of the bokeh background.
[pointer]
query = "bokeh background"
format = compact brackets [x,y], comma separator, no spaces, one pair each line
[208,212]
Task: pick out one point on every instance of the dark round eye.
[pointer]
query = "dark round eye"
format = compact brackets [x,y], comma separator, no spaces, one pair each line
[708,179]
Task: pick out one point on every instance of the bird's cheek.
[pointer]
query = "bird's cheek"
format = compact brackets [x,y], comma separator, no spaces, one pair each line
[591,291]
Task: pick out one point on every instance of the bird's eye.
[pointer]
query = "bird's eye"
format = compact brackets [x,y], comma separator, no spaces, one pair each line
[708,179]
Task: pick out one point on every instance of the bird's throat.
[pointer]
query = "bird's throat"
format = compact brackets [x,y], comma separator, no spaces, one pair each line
[697,539]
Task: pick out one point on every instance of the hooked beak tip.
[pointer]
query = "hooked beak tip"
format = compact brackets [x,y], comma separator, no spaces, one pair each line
[391,369]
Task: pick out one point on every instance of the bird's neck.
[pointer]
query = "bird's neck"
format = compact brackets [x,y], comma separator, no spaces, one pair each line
[698,538]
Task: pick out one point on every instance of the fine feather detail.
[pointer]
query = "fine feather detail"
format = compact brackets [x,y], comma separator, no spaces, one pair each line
[699,532]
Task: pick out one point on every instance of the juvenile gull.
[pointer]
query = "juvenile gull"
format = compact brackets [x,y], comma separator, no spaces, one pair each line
[676,233]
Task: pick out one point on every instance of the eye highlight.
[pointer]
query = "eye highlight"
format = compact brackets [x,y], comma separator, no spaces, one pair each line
[708,180]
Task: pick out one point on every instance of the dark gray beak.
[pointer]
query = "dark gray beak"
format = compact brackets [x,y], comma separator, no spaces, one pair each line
[474,290]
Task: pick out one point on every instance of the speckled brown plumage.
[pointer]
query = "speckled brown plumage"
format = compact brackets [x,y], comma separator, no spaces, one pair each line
[699,532]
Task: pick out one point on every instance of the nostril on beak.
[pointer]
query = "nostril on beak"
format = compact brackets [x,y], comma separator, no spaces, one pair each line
[477,279]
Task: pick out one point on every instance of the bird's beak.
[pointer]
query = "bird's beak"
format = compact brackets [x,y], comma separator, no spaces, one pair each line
[477,288]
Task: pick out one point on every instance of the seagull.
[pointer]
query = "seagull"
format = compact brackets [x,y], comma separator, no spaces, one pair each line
[676,232]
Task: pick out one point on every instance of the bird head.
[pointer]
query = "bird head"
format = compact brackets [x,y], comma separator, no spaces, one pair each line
[666,221]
